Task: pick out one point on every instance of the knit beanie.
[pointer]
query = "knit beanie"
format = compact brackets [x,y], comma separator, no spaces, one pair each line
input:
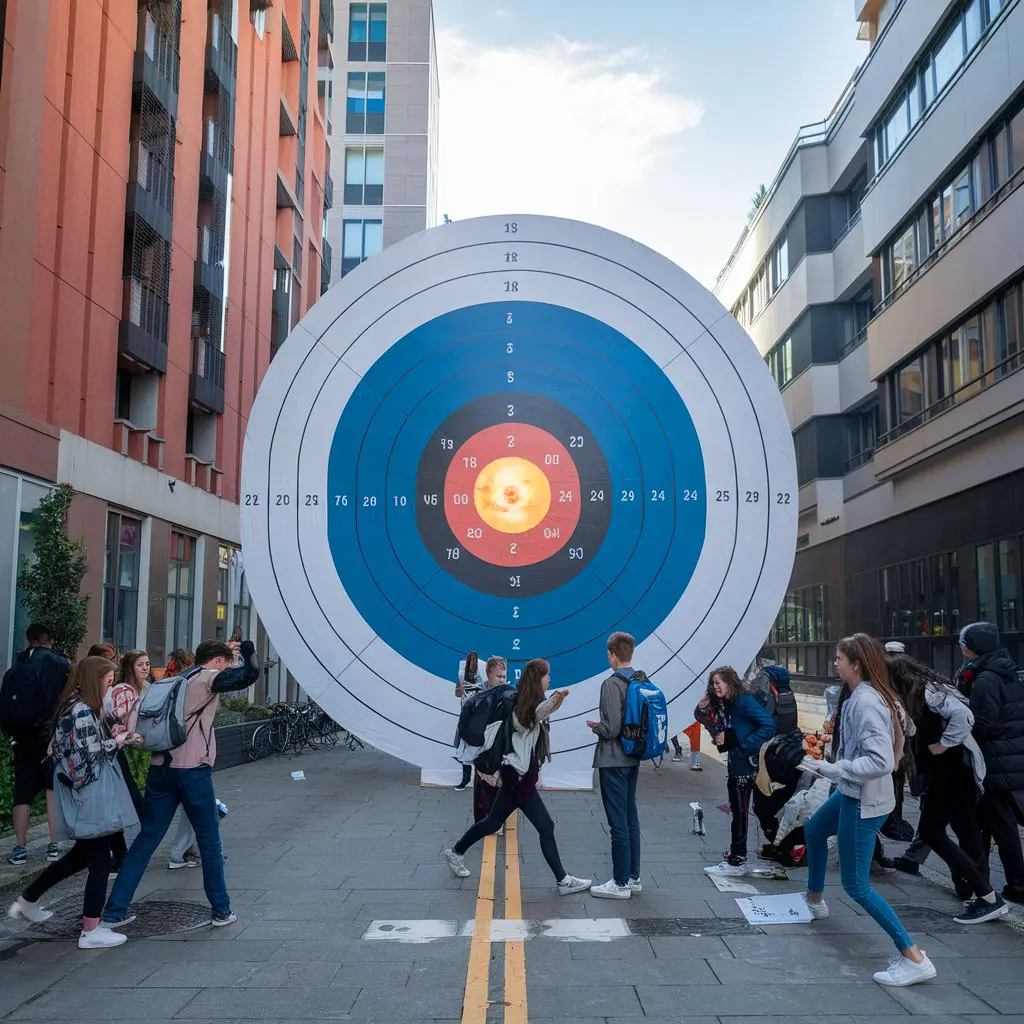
[981,637]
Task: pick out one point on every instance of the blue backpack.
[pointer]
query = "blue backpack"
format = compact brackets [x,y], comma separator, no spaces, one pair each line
[644,718]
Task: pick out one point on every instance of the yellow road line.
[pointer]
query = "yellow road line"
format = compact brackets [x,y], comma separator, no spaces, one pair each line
[515,952]
[474,1005]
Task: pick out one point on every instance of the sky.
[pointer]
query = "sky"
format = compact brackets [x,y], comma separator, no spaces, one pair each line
[656,118]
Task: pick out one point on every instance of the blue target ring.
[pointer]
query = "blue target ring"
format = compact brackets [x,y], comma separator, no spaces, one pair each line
[454,369]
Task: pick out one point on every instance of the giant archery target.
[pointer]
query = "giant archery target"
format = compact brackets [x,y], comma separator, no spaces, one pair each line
[514,436]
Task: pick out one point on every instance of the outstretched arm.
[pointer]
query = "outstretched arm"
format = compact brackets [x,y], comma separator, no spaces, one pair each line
[240,676]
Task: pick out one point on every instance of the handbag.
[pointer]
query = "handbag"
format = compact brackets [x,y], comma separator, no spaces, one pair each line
[102,807]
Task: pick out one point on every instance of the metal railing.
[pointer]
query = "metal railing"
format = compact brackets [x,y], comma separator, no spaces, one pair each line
[854,343]
[847,228]
[208,361]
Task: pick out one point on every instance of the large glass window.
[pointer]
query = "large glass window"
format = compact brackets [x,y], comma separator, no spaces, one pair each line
[367,32]
[180,590]
[361,239]
[364,112]
[911,391]
[364,177]
[1017,142]
[986,562]
[120,612]
[896,126]
[780,362]
[803,618]
[242,601]
[1009,585]
[949,54]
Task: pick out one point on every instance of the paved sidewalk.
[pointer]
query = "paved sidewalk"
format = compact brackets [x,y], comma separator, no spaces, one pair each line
[353,850]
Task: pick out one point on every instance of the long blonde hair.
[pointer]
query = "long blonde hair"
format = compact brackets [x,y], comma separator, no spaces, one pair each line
[85,683]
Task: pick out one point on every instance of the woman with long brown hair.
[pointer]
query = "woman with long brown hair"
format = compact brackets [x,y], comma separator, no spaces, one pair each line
[80,745]
[867,740]
[526,750]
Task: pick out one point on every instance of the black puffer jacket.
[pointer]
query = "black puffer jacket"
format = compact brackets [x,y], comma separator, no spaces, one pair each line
[997,700]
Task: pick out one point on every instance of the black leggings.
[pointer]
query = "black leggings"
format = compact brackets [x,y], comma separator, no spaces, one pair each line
[533,807]
[951,799]
[739,803]
[93,854]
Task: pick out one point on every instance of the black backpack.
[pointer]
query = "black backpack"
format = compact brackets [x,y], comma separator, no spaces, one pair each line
[26,700]
[782,756]
[785,712]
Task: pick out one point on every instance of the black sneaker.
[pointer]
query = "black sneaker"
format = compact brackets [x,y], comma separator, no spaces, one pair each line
[978,911]
[908,867]
[1013,895]
[461,787]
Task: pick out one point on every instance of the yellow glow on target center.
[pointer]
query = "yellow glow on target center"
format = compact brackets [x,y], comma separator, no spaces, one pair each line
[512,495]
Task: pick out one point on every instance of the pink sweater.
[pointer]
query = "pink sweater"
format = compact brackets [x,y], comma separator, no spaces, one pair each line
[200,748]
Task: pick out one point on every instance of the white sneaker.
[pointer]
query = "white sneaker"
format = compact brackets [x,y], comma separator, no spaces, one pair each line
[635,885]
[570,884]
[819,910]
[176,865]
[101,938]
[456,863]
[21,909]
[727,869]
[611,890]
[903,971]
[676,758]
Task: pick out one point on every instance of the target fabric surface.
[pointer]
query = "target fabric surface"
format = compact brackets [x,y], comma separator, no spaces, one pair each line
[514,435]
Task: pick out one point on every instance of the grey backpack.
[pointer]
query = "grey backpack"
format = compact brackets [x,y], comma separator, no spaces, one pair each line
[162,722]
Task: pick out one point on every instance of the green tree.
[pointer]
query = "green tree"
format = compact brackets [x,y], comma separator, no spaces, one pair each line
[756,201]
[52,578]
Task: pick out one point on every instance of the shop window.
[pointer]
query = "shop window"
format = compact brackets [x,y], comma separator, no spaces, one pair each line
[180,590]
[121,570]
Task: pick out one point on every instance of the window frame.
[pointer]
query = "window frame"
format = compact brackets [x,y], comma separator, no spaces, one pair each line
[123,635]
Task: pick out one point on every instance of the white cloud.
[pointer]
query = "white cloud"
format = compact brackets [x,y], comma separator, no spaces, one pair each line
[559,128]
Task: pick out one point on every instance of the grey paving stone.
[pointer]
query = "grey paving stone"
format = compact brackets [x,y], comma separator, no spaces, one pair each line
[626,950]
[1008,999]
[556,973]
[982,940]
[786,970]
[829,944]
[270,1004]
[350,950]
[936,997]
[686,947]
[397,1004]
[728,1000]
[388,974]
[64,1000]
[232,974]
[585,1001]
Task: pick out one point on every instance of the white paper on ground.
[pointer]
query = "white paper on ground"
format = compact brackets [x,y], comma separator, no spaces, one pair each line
[298,776]
[786,908]
[725,883]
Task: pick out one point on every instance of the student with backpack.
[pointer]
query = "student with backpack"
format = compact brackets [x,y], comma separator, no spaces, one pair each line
[29,693]
[629,730]
[739,727]
[175,721]
[525,748]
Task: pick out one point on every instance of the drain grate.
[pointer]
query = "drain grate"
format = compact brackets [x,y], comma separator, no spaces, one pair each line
[153,917]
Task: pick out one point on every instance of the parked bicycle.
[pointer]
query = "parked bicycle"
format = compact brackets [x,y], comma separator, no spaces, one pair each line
[293,727]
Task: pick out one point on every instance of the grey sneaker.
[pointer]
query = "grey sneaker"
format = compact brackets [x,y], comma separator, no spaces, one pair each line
[456,863]
[223,920]
[635,886]
[19,856]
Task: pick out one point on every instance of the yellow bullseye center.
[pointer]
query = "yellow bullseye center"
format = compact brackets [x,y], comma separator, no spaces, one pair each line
[512,495]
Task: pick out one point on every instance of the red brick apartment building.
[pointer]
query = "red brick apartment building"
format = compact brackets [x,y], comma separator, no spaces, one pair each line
[164,182]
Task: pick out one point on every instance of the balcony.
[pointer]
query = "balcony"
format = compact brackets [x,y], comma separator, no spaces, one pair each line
[325,267]
[142,335]
[221,57]
[326,36]
[157,63]
[206,382]
[329,193]
[216,162]
[143,202]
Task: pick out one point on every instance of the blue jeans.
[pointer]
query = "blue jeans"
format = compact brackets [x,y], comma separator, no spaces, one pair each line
[166,789]
[840,816]
[618,794]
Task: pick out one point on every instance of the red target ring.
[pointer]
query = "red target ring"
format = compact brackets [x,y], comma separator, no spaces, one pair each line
[512,494]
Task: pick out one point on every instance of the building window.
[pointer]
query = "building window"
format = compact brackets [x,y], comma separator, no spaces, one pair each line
[861,431]
[241,613]
[361,239]
[120,613]
[365,105]
[180,591]
[779,264]
[803,618]
[364,177]
[920,598]
[780,362]
[367,32]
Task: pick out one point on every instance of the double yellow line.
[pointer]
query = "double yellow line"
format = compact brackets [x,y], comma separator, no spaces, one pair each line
[476,1000]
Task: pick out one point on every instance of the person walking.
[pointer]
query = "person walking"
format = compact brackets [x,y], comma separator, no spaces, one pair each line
[951,766]
[527,749]
[868,742]
[184,776]
[994,688]
[692,734]
[470,682]
[28,699]
[85,756]
[739,727]
[485,787]
[618,773]
[122,705]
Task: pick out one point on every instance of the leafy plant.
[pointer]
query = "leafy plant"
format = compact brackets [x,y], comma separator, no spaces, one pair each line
[52,579]
[138,761]
[755,203]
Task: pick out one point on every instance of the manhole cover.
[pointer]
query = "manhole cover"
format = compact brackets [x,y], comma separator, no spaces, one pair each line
[153,917]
